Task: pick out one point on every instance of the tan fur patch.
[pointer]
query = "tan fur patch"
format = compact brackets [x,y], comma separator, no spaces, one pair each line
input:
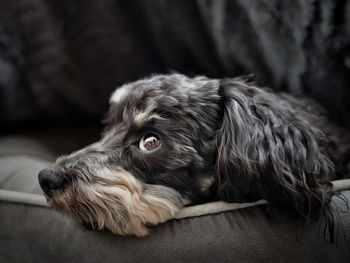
[118,202]
[143,117]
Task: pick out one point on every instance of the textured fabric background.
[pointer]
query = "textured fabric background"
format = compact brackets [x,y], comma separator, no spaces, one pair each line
[60,60]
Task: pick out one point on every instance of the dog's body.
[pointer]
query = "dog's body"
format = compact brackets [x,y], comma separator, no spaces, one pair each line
[173,141]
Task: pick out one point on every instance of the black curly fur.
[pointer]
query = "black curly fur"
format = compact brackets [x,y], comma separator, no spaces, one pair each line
[267,149]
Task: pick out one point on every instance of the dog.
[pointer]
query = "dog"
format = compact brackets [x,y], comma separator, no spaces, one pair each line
[173,141]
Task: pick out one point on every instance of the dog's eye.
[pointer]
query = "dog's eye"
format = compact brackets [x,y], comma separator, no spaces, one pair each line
[149,142]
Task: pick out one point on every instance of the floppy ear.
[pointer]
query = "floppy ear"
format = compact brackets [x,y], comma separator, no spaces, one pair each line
[266,151]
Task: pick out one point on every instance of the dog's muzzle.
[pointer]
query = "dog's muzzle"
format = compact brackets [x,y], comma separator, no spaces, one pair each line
[50,181]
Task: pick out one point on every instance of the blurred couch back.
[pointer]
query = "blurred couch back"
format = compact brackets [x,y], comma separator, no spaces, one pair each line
[60,60]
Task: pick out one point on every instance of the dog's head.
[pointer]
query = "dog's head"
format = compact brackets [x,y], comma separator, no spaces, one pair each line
[172,141]
[155,155]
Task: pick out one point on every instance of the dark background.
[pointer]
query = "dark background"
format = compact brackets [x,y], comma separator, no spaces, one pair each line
[60,60]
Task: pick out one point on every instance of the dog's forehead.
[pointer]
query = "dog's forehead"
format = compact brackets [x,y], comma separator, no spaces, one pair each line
[134,102]
[137,102]
[171,85]
[138,90]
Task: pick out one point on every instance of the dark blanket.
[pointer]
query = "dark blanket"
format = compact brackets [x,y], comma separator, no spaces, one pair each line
[60,60]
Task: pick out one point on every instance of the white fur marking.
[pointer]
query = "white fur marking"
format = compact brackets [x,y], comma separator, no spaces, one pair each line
[119,95]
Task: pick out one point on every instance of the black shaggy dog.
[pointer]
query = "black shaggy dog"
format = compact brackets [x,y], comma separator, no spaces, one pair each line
[172,141]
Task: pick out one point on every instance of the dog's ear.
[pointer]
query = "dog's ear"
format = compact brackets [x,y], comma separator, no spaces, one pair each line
[265,151]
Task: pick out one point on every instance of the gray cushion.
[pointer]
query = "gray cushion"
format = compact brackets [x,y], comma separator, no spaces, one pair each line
[37,234]
[32,233]
[20,161]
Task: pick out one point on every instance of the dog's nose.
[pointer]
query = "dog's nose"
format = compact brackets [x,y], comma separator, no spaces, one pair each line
[50,181]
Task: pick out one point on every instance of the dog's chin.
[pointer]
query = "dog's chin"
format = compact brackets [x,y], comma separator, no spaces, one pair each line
[124,209]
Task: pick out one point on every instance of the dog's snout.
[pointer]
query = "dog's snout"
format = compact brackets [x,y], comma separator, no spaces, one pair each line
[50,181]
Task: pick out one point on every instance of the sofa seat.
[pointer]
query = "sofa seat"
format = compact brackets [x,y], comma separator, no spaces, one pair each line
[214,232]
